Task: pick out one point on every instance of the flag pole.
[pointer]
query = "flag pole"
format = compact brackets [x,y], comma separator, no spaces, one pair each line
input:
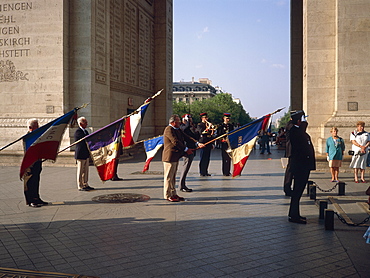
[77,108]
[237,130]
[124,117]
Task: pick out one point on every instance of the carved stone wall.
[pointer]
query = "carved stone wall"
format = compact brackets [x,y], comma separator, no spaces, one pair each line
[31,65]
[56,55]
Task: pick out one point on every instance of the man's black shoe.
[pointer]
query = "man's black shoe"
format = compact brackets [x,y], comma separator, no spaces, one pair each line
[297,220]
[116,179]
[41,202]
[84,189]
[186,189]
[34,205]
[90,188]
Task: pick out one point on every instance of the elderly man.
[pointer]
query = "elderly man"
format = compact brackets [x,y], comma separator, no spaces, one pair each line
[82,156]
[174,148]
[32,176]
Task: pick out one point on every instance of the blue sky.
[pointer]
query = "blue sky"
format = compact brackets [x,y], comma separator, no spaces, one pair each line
[243,46]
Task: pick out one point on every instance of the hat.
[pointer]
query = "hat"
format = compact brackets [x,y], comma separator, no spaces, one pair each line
[203,115]
[227,115]
[296,115]
[186,116]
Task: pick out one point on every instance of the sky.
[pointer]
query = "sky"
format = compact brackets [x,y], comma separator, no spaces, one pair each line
[242,46]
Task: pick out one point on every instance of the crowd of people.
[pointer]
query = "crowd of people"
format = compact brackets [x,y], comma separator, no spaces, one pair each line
[182,139]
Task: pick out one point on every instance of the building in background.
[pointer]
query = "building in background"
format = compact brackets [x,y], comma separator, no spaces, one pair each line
[193,91]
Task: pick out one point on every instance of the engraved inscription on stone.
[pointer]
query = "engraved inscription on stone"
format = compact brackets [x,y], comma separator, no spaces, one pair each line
[100,36]
[145,50]
[115,38]
[8,72]
[13,42]
[129,43]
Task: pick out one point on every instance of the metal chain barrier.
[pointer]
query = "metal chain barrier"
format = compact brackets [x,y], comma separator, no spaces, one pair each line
[326,190]
[351,224]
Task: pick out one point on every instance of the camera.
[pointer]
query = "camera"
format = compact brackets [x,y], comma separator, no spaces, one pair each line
[351,152]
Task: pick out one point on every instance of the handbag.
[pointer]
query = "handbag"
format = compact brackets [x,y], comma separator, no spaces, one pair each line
[368,191]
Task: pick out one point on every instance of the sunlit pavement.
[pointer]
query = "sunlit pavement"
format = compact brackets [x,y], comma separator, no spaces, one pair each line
[226,227]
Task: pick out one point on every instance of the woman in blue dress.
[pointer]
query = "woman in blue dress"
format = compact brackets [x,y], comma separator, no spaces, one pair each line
[334,150]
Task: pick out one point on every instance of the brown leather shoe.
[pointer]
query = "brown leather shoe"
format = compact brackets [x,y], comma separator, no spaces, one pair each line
[180,198]
[173,199]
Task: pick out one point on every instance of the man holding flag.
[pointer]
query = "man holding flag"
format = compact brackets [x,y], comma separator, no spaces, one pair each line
[82,156]
[174,148]
[31,176]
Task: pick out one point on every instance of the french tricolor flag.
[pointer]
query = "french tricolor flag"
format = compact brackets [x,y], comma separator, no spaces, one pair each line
[151,148]
[242,141]
[133,125]
[104,148]
[43,143]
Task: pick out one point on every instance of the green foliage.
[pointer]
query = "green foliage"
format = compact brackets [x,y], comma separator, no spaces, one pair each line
[284,120]
[215,107]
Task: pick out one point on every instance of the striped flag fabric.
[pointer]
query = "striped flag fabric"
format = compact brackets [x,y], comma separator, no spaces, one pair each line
[104,148]
[44,142]
[151,148]
[242,141]
[133,125]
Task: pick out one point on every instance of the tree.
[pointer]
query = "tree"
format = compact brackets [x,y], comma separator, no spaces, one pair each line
[215,107]
[284,120]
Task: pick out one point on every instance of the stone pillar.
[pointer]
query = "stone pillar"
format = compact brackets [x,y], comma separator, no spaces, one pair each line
[336,67]
[163,61]
[296,54]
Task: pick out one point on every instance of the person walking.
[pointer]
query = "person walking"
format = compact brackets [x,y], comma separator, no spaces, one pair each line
[334,150]
[174,147]
[302,161]
[82,156]
[225,128]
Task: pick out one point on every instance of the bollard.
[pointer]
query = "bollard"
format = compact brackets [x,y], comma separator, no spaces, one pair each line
[313,192]
[341,188]
[323,206]
[309,183]
[329,220]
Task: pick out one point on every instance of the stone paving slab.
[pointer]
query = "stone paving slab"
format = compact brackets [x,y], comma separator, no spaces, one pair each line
[225,228]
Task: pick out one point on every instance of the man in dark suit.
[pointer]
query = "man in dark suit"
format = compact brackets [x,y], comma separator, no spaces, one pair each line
[82,156]
[174,148]
[31,178]
[188,128]
[288,177]
[302,161]
[224,128]
[205,130]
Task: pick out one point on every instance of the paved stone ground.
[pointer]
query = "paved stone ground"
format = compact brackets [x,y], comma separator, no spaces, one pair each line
[225,228]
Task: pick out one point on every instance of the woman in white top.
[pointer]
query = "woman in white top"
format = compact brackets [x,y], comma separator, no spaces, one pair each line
[360,141]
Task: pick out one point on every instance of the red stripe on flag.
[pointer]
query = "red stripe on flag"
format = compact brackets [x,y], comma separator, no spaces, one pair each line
[44,150]
[107,171]
[127,139]
[238,167]
[146,166]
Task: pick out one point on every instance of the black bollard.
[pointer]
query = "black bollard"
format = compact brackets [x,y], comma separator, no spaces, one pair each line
[341,188]
[313,191]
[329,220]
[309,183]
[323,206]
